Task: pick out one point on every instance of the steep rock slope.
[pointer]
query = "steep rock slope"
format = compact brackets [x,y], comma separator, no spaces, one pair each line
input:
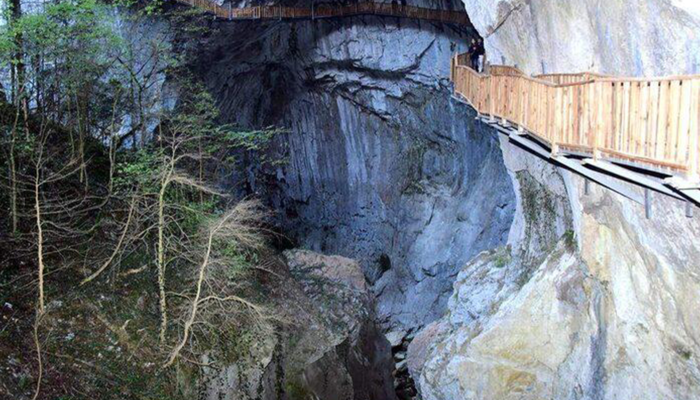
[610,298]
[593,317]
[650,37]
[380,165]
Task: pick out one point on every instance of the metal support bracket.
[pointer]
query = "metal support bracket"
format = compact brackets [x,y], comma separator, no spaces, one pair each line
[647,203]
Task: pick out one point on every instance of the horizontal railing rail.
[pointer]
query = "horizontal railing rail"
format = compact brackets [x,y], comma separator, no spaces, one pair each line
[330,10]
[653,121]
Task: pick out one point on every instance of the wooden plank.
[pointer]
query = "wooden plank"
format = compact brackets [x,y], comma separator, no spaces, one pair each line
[600,132]
[576,115]
[560,115]
[618,115]
[694,131]
[684,122]
[643,119]
[564,133]
[610,125]
[662,127]
[652,128]
[625,115]
[634,145]
[583,121]
[673,127]
[571,118]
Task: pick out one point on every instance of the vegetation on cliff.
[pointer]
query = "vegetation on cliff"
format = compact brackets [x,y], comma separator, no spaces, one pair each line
[121,260]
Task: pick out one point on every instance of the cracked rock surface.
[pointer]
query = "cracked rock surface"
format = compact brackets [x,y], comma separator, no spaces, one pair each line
[380,164]
[588,301]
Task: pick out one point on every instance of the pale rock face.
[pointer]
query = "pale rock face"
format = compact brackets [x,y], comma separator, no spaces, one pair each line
[620,37]
[611,313]
[589,300]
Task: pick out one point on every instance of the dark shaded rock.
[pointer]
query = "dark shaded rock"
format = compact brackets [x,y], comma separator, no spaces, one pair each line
[330,349]
[378,161]
[364,360]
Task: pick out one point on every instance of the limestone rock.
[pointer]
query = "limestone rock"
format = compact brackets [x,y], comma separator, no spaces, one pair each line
[396,338]
[621,37]
[611,304]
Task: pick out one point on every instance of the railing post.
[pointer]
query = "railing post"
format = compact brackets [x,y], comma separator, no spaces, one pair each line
[280,12]
[230,12]
[525,93]
[693,141]
[555,150]
[508,99]
[492,103]
[313,14]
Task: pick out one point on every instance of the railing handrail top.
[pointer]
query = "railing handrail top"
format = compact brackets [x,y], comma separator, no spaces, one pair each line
[597,77]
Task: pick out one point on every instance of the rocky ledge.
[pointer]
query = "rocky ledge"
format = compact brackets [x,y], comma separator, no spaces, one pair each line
[330,346]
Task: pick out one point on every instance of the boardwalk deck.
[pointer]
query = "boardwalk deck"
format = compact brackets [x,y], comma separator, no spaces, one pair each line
[640,130]
[653,122]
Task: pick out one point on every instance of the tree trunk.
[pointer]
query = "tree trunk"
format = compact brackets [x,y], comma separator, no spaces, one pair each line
[17,73]
[39,233]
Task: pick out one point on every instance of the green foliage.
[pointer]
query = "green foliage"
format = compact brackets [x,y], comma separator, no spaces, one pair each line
[138,169]
[297,390]
[570,240]
[686,354]
[239,261]
[72,35]
[503,257]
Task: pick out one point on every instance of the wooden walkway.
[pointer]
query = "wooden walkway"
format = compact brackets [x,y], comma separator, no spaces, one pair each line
[330,11]
[642,129]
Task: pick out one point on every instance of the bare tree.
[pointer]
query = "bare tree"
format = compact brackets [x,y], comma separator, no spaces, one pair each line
[238,227]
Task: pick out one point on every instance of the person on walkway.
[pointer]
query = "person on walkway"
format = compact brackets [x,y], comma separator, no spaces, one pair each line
[476,50]
[474,55]
[481,52]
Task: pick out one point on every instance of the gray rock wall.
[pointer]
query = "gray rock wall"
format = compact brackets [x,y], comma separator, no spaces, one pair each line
[380,165]
[326,344]
[565,296]
[609,302]
[589,300]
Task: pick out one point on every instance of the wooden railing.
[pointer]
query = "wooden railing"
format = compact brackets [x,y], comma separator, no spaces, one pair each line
[330,10]
[652,121]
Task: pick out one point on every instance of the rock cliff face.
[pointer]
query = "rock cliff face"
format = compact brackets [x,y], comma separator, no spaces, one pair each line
[609,301]
[564,295]
[330,348]
[589,299]
[651,37]
[380,164]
